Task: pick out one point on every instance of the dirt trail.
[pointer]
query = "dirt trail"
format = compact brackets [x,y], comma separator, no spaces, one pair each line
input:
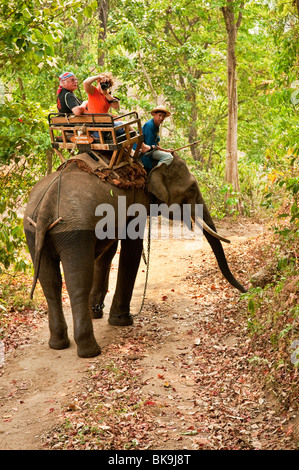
[38,381]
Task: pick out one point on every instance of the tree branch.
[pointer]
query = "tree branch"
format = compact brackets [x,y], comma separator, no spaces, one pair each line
[238,23]
[173,33]
[147,78]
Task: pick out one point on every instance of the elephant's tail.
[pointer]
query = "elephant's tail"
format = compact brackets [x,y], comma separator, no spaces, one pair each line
[41,230]
[43,225]
[44,211]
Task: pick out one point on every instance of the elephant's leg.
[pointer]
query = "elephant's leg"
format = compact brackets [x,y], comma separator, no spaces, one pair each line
[99,289]
[78,261]
[129,260]
[51,282]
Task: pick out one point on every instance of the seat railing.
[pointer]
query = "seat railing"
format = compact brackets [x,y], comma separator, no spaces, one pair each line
[68,131]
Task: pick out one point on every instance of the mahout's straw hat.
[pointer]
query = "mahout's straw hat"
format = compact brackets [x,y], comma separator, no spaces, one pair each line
[160,109]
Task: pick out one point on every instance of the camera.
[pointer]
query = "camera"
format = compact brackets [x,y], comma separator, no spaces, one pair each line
[105,85]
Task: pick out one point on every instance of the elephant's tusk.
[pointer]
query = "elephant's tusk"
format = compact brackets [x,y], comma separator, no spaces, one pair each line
[54,223]
[211,231]
[31,221]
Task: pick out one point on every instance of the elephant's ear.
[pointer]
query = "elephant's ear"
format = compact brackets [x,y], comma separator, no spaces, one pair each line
[156,184]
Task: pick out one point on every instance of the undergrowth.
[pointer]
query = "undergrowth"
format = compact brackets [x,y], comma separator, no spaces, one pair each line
[17,310]
[273,322]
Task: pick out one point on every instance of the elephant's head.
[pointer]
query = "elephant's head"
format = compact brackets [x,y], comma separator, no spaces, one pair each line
[176,185]
[172,184]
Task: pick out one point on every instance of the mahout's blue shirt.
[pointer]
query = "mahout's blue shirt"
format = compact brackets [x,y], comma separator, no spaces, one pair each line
[150,133]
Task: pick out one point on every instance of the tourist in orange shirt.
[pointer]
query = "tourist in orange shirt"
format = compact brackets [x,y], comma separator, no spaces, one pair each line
[99,97]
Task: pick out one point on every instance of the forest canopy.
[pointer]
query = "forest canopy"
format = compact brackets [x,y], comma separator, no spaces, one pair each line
[168,52]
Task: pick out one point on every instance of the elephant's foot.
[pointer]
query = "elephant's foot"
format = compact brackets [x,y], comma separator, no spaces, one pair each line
[97,310]
[88,349]
[120,319]
[59,343]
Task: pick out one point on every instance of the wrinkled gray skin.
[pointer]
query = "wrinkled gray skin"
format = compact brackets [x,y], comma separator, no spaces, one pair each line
[86,260]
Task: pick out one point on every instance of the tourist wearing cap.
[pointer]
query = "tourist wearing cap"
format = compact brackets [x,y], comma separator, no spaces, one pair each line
[67,101]
[151,136]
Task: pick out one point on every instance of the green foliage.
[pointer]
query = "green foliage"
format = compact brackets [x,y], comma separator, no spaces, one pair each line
[24,141]
[291,186]
[284,187]
[30,30]
[23,131]
[255,298]
[12,240]
[253,181]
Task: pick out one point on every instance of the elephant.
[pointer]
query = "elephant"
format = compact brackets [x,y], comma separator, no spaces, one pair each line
[59,223]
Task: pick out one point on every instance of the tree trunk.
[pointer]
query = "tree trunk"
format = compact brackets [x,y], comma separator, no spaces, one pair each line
[192,133]
[231,169]
[103,10]
[297,4]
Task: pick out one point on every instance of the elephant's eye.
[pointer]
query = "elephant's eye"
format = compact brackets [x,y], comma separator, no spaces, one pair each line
[189,194]
[192,190]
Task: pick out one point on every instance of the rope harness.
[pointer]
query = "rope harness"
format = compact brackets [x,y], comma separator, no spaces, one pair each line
[147,266]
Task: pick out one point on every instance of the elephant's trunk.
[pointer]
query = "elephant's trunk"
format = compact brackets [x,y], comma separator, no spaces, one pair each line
[222,263]
[214,240]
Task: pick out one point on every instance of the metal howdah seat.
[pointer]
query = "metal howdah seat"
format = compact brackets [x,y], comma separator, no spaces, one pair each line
[97,132]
